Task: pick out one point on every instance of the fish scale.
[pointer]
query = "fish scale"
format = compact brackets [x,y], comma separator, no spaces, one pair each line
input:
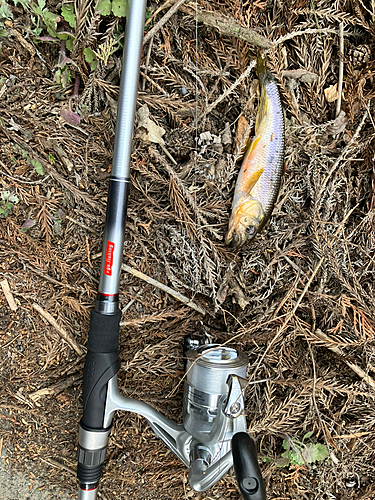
[259,179]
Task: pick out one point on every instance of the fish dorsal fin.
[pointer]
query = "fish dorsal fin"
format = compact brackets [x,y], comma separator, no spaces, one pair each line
[253,179]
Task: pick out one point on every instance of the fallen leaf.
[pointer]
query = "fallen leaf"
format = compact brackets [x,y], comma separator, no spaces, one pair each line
[300,74]
[242,135]
[226,138]
[338,125]
[147,130]
[28,224]
[70,117]
[331,93]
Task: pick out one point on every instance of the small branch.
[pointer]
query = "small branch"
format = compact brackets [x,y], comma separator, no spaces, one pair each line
[147,63]
[162,21]
[341,70]
[182,298]
[225,94]
[55,389]
[8,295]
[81,225]
[227,26]
[309,31]
[356,369]
[63,334]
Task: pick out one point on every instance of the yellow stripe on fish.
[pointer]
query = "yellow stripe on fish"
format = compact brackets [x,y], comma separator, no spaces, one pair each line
[259,180]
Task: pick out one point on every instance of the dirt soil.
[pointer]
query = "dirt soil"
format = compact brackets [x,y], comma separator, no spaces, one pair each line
[299,300]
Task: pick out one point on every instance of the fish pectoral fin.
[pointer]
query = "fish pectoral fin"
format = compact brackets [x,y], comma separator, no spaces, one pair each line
[251,146]
[253,179]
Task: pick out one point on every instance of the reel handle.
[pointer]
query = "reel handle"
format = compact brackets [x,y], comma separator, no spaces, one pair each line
[246,467]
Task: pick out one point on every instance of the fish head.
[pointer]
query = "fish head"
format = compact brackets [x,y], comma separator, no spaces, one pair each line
[244,224]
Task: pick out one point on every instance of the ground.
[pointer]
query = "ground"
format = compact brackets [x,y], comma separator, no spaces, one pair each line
[299,300]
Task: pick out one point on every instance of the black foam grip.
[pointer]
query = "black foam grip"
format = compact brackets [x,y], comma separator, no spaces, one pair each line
[101,364]
[103,334]
[246,467]
[99,369]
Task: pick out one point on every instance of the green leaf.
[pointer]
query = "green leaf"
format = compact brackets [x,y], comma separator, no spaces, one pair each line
[119,7]
[38,167]
[42,4]
[91,58]
[70,44]
[3,33]
[36,32]
[5,12]
[282,462]
[307,436]
[67,11]
[104,7]
[50,20]
[36,9]
[315,452]
[295,457]
[68,37]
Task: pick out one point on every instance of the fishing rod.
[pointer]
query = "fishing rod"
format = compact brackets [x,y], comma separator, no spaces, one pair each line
[213,435]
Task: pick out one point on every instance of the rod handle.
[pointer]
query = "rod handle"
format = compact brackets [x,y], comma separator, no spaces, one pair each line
[101,364]
[245,463]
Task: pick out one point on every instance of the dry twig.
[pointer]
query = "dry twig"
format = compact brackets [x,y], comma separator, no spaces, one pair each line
[63,333]
[8,294]
[356,369]
[177,295]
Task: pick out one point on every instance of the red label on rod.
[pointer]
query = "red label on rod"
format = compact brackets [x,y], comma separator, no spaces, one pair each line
[109,258]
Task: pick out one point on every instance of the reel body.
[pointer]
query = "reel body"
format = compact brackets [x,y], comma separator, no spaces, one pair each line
[213,410]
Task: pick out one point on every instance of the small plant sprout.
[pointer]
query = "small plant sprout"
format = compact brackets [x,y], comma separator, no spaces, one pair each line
[7,202]
[49,18]
[299,453]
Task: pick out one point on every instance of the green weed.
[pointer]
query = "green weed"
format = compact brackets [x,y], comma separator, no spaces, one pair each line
[299,453]
[7,202]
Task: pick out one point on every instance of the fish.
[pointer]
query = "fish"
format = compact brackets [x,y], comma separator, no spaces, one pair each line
[259,179]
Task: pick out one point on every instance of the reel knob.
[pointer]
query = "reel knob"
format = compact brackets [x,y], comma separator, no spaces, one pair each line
[246,467]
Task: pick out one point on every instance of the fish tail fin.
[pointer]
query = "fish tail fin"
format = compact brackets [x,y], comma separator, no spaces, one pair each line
[264,76]
[263,73]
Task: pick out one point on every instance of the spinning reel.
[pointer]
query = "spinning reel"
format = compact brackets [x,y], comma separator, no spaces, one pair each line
[212,436]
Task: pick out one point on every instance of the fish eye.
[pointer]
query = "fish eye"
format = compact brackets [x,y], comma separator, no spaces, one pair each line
[251,230]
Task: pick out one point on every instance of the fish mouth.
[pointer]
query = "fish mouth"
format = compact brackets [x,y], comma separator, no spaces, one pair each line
[235,240]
